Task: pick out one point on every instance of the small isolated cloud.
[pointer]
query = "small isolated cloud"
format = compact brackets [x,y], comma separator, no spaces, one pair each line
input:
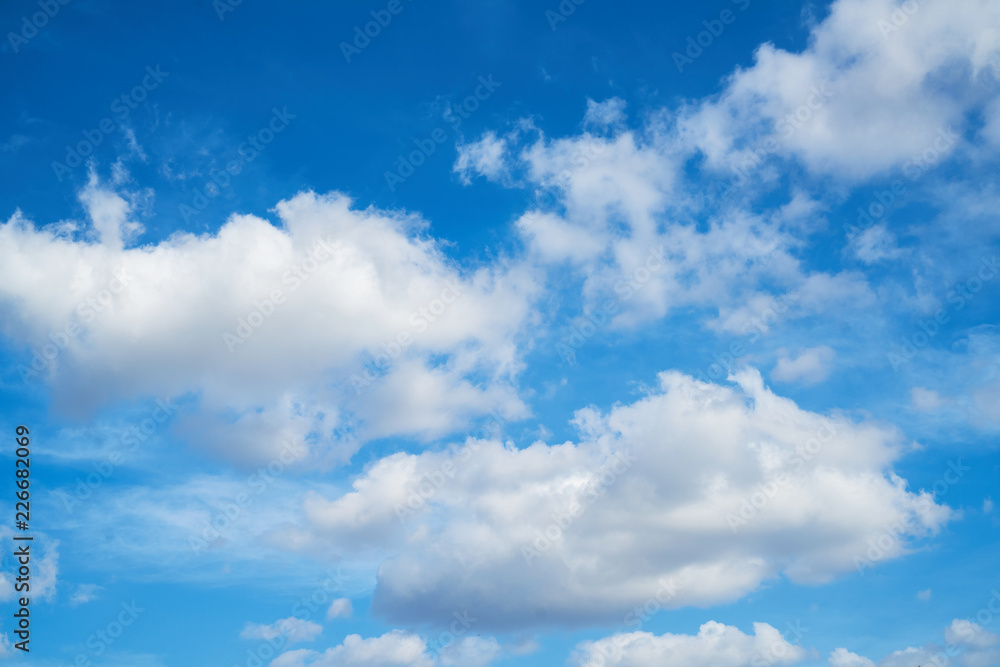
[988,506]
[810,367]
[715,645]
[84,593]
[603,114]
[844,658]
[926,400]
[485,157]
[341,608]
[924,596]
[293,629]
[875,244]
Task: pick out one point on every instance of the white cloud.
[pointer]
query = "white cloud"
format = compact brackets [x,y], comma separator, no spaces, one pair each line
[926,400]
[84,593]
[352,284]
[701,452]
[340,608]
[606,113]
[841,657]
[293,629]
[875,244]
[810,367]
[856,101]
[924,595]
[486,157]
[715,645]
[968,645]
[393,649]
[470,652]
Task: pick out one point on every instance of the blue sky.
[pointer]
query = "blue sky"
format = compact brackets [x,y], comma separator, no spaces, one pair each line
[507,333]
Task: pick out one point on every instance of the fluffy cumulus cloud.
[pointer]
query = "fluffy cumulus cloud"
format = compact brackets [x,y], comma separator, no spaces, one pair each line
[715,645]
[966,645]
[809,367]
[704,489]
[393,649]
[865,98]
[396,649]
[880,82]
[302,330]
